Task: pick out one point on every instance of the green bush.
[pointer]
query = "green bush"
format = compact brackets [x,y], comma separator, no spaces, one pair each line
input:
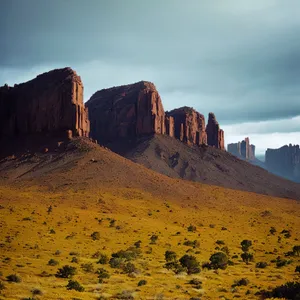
[116,262]
[103,260]
[52,262]
[138,244]
[74,260]
[129,254]
[225,249]
[170,256]
[153,239]
[247,257]
[296,250]
[37,292]
[66,272]
[194,244]
[13,278]
[289,290]
[246,244]
[142,282]
[75,285]
[219,260]
[102,274]
[220,242]
[297,270]
[2,286]
[129,268]
[282,262]
[196,283]
[192,228]
[272,230]
[190,263]
[88,268]
[261,265]
[243,281]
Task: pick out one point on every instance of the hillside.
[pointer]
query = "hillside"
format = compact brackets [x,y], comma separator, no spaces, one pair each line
[204,164]
[77,203]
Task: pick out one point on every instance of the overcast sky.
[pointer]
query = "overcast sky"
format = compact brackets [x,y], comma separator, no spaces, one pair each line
[238,59]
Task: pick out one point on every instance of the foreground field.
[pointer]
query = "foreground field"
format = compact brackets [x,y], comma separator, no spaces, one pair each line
[38,225]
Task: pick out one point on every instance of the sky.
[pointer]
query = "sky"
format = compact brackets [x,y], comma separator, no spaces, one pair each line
[238,59]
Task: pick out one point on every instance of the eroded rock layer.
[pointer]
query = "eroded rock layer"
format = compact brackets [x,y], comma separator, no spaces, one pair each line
[127,111]
[284,161]
[189,125]
[242,149]
[50,103]
[215,135]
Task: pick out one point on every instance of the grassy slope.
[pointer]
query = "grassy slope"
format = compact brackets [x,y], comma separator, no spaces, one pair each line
[30,245]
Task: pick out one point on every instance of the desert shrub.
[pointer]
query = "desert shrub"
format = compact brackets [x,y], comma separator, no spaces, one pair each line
[129,268]
[246,244]
[220,242]
[153,239]
[196,283]
[88,268]
[297,270]
[112,223]
[52,231]
[95,236]
[66,272]
[138,244]
[142,282]
[272,230]
[74,260]
[96,255]
[194,244]
[170,256]
[192,228]
[261,265]
[296,250]
[243,281]
[289,290]
[13,278]
[282,262]
[116,262]
[2,286]
[74,253]
[129,254]
[102,274]
[57,252]
[190,263]
[247,257]
[225,249]
[124,295]
[37,292]
[218,260]
[75,285]
[103,260]
[53,262]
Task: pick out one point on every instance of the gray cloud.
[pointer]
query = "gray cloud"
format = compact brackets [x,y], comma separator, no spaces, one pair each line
[240,59]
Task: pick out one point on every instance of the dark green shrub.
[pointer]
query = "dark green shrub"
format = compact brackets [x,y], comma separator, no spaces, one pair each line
[142,282]
[116,262]
[297,270]
[272,230]
[129,268]
[138,244]
[153,239]
[296,250]
[220,242]
[247,257]
[243,281]
[192,228]
[282,262]
[2,286]
[261,265]
[95,236]
[13,278]
[52,262]
[75,285]
[190,263]
[289,290]
[196,283]
[74,260]
[246,244]
[88,268]
[225,249]
[102,274]
[37,292]
[170,256]
[194,244]
[218,260]
[66,272]
[52,231]
[103,260]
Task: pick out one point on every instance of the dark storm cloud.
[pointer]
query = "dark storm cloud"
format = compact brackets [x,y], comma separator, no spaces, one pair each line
[240,59]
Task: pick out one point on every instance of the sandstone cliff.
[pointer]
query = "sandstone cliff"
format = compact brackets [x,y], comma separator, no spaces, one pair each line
[284,161]
[215,135]
[50,103]
[189,125]
[127,111]
[242,149]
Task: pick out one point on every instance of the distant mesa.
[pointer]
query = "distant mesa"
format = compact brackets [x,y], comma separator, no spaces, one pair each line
[134,110]
[242,149]
[284,161]
[52,103]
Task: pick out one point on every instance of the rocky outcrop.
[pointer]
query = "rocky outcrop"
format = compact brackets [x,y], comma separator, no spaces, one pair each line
[284,161]
[215,135]
[242,149]
[127,111]
[52,103]
[189,125]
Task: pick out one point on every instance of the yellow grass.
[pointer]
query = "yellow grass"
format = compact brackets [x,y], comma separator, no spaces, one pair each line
[27,245]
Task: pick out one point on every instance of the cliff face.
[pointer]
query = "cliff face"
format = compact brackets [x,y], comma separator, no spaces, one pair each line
[127,111]
[284,161]
[242,149]
[215,135]
[50,103]
[189,126]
